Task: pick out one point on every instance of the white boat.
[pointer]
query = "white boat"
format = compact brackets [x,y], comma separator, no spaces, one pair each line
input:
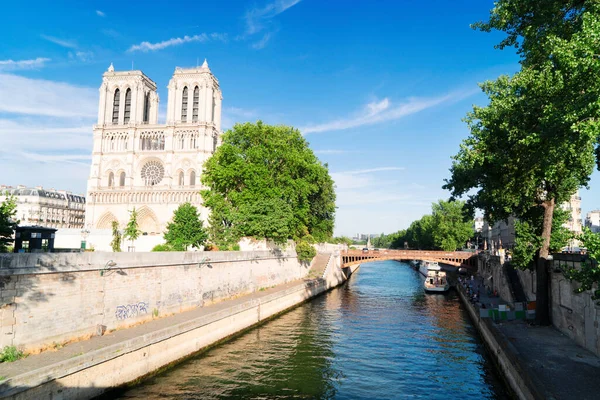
[436,280]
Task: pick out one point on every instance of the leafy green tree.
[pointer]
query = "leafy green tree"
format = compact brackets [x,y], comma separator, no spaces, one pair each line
[528,237]
[117,238]
[264,181]
[186,229]
[342,240]
[451,228]
[533,145]
[8,222]
[132,230]
[588,275]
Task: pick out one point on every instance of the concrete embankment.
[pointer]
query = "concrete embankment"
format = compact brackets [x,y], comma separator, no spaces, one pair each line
[504,355]
[89,368]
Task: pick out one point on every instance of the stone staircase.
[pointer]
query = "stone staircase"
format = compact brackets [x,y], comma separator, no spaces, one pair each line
[318,265]
[515,283]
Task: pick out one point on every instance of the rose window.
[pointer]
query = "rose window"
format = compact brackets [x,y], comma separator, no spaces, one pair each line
[152,173]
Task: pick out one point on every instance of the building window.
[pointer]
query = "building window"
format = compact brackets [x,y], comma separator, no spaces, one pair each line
[181,178]
[193,178]
[152,173]
[116,102]
[127,105]
[111,179]
[122,179]
[147,107]
[195,104]
[184,104]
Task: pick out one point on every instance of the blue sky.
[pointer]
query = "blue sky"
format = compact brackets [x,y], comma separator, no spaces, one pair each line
[377,88]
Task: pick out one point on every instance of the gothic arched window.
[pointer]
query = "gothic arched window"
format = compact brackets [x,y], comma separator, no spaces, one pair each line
[127,106]
[116,102]
[184,104]
[181,178]
[122,179]
[111,179]
[193,178]
[147,107]
[195,104]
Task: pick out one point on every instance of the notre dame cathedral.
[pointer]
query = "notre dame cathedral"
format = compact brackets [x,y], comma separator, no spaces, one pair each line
[137,162]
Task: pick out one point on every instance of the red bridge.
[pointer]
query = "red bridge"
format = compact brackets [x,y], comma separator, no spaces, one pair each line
[454,258]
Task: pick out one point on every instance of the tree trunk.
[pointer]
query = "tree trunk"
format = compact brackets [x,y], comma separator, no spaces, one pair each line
[542,308]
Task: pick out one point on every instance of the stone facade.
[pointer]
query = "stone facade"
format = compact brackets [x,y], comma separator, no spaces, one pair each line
[592,221]
[46,207]
[137,162]
[46,298]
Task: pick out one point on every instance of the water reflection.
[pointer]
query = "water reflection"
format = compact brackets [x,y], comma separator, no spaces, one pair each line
[378,337]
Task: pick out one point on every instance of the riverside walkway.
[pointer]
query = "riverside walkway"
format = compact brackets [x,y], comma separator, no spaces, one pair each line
[550,364]
[56,367]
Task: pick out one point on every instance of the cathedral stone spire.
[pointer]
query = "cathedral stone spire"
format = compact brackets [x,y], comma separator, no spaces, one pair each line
[205,64]
[111,68]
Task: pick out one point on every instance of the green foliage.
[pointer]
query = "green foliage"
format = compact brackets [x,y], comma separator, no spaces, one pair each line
[163,247]
[550,109]
[116,237]
[305,251]
[528,236]
[265,182]
[186,229]
[451,226]
[588,275]
[533,145]
[447,228]
[10,354]
[530,26]
[342,240]
[8,222]
[132,230]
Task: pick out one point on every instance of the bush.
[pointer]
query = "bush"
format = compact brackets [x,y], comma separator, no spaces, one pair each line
[162,247]
[10,354]
[305,251]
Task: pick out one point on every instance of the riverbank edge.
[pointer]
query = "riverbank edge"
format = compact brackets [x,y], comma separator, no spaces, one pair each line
[505,356]
[97,372]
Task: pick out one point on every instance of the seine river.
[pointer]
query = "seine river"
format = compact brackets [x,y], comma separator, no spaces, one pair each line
[377,337]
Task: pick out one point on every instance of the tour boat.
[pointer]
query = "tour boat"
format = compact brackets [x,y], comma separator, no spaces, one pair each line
[436,280]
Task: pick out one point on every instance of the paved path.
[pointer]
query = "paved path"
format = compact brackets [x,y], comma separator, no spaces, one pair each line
[563,369]
[71,352]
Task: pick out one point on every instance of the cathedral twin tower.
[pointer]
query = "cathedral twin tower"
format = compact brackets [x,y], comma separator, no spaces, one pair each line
[138,163]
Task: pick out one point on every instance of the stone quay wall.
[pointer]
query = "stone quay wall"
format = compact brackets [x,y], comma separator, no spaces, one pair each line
[574,314]
[48,299]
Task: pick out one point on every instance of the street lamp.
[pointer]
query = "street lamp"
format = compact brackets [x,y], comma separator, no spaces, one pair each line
[84,235]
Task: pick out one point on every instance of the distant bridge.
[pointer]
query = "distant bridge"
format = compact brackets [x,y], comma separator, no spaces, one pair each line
[454,258]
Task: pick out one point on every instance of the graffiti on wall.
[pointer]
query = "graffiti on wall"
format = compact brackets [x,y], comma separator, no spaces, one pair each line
[131,310]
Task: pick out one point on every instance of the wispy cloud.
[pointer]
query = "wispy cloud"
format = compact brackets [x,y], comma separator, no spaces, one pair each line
[83,56]
[257,19]
[203,37]
[55,99]
[384,110]
[262,42]
[11,65]
[61,42]
[260,19]
[83,159]
[100,13]
[111,33]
